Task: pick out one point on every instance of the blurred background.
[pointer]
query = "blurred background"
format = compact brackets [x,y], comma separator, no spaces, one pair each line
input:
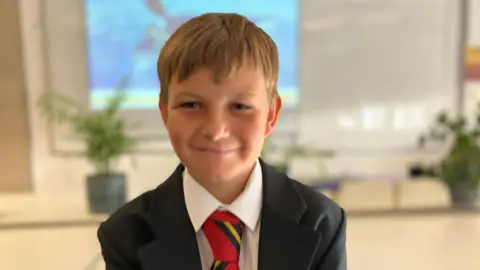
[381,115]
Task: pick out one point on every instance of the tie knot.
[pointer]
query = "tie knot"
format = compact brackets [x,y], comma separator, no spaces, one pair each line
[225,216]
[224,233]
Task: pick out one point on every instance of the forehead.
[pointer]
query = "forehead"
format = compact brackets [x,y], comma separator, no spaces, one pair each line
[239,78]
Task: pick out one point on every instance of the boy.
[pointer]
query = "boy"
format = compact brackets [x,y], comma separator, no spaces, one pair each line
[223,207]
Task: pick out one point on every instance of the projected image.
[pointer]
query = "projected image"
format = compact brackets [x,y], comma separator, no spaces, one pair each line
[124,39]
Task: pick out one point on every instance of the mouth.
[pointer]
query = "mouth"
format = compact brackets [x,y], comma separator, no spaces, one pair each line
[215,151]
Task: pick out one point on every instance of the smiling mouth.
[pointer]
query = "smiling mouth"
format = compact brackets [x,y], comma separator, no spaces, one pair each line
[215,151]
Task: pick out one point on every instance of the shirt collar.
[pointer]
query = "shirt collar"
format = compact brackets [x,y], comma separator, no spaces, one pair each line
[201,204]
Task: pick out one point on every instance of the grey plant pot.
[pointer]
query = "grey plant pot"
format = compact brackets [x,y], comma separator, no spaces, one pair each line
[464,196]
[106,192]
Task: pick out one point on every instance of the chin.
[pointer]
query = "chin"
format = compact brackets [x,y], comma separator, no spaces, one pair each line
[213,168]
[218,171]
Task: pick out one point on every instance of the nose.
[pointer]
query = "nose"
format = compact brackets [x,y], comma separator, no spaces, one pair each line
[215,126]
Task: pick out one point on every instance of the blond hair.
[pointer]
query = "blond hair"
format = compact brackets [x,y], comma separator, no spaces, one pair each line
[220,42]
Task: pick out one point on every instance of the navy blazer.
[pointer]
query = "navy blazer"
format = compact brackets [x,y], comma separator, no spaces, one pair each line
[300,229]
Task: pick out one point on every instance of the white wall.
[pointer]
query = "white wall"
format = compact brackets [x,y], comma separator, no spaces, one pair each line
[472,89]
[474,29]
[64,176]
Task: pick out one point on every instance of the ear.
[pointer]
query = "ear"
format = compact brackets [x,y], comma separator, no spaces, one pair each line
[273,113]
[163,106]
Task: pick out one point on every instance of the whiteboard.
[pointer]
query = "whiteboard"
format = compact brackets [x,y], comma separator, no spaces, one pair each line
[374,72]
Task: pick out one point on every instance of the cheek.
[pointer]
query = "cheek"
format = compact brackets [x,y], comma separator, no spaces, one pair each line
[178,129]
[252,130]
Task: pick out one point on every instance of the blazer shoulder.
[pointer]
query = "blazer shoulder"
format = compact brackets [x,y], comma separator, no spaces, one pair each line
[124,232]
[328,219]
[322,212]
[134,209]
[128,222]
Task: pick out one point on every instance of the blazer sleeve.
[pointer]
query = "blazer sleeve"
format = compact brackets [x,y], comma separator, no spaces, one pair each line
[335,257]
[111,253]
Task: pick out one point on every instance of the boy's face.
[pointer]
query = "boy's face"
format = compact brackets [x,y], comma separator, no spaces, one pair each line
[218,129]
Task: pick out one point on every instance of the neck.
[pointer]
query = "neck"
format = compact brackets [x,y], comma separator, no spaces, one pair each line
[227,190]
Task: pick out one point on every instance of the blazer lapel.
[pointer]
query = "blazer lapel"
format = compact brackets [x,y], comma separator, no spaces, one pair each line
[284,243]
[175,244]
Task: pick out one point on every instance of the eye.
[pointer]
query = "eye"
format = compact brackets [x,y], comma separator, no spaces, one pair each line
[190,105]
[239,106]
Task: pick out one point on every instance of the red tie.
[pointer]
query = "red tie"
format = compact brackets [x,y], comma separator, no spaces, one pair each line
[224,233]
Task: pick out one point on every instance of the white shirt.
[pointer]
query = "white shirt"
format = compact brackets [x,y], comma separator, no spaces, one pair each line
[201,204]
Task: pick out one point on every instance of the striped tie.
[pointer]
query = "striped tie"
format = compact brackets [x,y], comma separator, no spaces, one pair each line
[224,233]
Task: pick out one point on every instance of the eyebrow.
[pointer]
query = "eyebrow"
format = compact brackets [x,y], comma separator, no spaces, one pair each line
[241,94]
[245,94]
[187,93]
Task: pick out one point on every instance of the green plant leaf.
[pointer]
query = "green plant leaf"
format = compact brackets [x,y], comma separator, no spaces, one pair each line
[443,119]
[103,132]
[462,163]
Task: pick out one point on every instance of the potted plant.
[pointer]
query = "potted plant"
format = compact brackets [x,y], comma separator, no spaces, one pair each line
[104,137]
[460,168]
